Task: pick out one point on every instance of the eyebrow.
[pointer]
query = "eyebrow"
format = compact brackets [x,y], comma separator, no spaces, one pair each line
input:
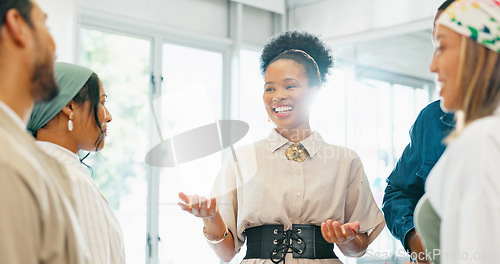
[286,79]
[105,95]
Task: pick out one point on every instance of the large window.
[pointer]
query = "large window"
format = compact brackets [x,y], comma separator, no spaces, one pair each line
[191,98]
[250,104]
[373,118]
[123,65]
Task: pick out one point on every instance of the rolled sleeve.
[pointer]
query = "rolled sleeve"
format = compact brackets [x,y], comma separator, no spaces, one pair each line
[360,205]
[225,191]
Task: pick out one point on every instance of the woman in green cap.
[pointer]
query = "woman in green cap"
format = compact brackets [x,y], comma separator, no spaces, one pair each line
[77,120]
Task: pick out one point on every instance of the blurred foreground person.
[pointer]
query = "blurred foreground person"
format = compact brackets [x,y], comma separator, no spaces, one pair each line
[37,220]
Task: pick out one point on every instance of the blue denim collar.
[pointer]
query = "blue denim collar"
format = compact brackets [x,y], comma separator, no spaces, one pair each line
[448,119]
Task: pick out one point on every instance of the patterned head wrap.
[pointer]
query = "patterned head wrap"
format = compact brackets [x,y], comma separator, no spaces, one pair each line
[475,19]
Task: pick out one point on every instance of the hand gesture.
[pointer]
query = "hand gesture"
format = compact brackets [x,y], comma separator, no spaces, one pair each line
[198,206]
[333,232]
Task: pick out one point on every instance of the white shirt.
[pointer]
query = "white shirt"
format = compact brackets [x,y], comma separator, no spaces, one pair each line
[264,187]
[464,190]
[100,226]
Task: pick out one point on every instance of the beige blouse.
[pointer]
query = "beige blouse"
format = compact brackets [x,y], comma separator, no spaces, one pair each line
[261,186]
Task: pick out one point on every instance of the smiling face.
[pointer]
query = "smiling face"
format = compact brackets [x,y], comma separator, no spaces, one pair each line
[445,64]
[287,95]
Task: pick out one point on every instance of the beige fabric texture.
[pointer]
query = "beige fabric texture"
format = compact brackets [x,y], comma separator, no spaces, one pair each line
[37,220]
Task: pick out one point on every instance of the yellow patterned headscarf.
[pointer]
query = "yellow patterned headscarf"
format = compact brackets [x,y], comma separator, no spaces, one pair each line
[476,19]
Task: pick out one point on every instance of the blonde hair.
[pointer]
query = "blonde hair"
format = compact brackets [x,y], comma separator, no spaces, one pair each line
[478,84]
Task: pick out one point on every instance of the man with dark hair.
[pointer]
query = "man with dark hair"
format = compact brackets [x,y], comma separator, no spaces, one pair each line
[405,185]
[37,220]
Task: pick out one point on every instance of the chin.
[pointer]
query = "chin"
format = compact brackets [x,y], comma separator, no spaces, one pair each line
[449,104]
[445,107]
[450,107]
[100,147]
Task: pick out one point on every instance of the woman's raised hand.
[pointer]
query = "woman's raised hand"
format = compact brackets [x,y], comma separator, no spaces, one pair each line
[333,232]
[198,206]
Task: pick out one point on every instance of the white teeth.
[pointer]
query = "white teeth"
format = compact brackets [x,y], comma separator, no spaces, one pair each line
[282,109]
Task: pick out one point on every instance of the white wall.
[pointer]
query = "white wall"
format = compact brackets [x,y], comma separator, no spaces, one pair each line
[339,22]
[181,20]
[276,6]
[257,25]
[344,20]
[389,35]
[62,23]
[209,17]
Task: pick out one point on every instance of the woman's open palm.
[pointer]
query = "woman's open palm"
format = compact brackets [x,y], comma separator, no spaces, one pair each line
[198,206]
[333,232]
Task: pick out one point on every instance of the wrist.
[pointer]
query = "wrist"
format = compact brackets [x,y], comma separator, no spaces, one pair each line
[349,240]
[353,247]
[214,221]
[216,240]
[408,240]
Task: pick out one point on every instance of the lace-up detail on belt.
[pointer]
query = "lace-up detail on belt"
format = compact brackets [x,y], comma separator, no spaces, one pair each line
[291,242]
[274,242]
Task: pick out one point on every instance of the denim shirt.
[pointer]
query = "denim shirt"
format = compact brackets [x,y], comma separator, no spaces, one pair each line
[406,183]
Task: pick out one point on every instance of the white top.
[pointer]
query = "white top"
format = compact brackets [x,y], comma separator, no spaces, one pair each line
[100,226]
[270,189]
[464,190]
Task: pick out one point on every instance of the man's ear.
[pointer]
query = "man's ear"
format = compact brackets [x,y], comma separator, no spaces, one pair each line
[69,108]
[16,27]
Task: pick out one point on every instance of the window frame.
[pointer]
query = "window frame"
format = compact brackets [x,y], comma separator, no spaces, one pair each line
[90,19]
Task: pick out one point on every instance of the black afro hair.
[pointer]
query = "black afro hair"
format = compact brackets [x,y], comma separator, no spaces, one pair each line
[307,42]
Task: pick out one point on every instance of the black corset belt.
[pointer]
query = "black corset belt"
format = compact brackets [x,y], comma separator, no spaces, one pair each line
[273,242]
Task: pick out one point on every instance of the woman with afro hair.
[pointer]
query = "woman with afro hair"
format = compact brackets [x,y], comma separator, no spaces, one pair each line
[291,196]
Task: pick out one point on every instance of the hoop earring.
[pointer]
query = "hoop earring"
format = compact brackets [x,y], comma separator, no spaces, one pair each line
[70,122]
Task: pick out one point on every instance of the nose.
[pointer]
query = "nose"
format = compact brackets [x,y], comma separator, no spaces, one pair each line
[108,117]
[433,66]
[280,95]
